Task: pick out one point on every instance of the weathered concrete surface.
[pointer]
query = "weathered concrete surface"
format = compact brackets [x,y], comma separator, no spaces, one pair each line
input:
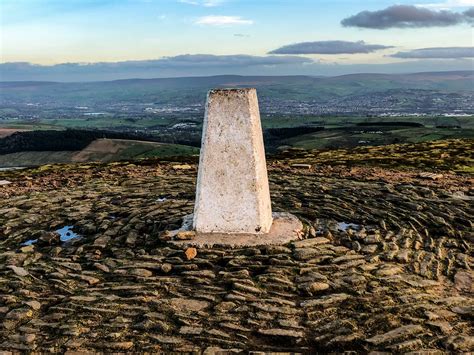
[232,194]
[285,228]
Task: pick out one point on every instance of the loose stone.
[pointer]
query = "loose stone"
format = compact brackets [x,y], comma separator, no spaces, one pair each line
[35,305]
[311,242]
[401,332]
[18,270]
[187,330]
[281,333]
[190,253]
[166,267]
[186,235]
[141,272]
[314,287]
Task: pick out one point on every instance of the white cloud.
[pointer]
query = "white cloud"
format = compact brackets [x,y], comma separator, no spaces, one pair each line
[448,4]
[222,21]
[205,3]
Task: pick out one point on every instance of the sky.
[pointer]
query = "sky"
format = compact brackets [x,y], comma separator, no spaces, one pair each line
[76,40]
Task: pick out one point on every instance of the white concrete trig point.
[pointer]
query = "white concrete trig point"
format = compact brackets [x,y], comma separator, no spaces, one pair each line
[233,204]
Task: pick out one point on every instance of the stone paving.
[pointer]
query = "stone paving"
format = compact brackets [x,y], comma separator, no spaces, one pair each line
[385,263]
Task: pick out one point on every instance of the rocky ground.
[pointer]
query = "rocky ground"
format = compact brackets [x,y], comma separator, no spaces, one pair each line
[386,263]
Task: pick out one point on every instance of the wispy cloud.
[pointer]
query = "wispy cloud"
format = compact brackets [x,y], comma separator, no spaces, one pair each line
[437,53]
[329,47]
[205,3]
[405,16]
[222,21]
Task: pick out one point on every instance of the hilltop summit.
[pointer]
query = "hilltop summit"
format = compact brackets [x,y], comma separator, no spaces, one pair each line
[385,263]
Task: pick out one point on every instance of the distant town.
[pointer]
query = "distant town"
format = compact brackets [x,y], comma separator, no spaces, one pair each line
[388,104]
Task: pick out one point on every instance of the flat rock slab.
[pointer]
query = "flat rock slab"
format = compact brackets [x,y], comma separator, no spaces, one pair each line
[285,228]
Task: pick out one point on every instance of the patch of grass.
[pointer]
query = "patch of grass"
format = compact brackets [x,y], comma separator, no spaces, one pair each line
[451,155]
[349,137]
[35,158]
[29,125]
[170,150]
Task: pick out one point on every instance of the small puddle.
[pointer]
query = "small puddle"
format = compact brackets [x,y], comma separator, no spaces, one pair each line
[29,242]
[343,226]
[66,233]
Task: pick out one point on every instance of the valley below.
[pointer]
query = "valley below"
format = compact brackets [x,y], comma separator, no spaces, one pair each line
[52,122]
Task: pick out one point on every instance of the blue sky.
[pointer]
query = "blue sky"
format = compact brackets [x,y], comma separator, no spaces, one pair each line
[50,32]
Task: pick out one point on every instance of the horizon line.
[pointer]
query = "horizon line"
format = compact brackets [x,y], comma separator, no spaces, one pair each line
[235,75]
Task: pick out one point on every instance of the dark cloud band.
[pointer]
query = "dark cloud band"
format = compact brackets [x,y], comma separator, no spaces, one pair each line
[469,13]
[186,64]
[239,60]
[406,16]
[329,47]
[442,52]
[179,61]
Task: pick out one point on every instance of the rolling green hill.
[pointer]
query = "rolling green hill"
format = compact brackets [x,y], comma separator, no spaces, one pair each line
[102,150]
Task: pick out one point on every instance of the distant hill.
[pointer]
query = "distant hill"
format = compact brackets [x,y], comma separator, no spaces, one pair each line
[193,89]
[432,93]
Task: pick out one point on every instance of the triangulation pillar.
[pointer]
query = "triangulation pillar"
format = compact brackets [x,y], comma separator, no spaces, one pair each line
[232,193]
[233,204]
